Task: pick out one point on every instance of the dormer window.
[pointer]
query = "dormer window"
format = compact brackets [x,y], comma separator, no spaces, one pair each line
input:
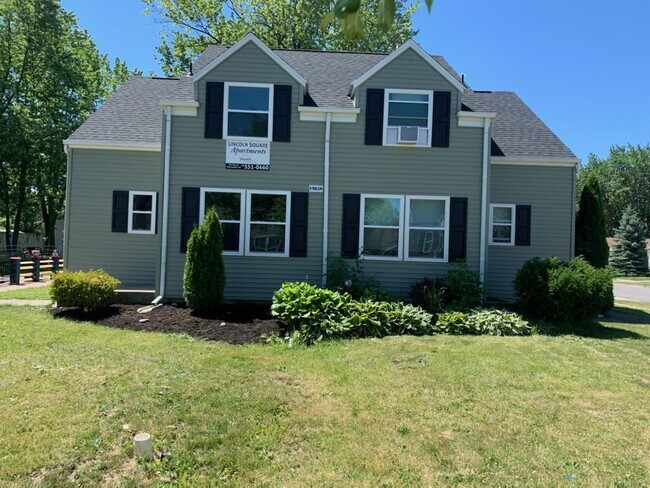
[408,117]
[248,111]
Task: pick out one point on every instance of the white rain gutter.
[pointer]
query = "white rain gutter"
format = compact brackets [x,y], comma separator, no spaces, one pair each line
[326,193]
[484,197]
[165,205]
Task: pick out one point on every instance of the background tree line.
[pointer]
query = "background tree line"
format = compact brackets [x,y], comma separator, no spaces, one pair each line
[52,77]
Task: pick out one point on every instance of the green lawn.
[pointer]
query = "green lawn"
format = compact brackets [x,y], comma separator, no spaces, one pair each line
[539,411]
[634,280]
[30,293]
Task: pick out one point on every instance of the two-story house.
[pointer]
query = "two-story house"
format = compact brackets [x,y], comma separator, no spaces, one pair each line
[307,155]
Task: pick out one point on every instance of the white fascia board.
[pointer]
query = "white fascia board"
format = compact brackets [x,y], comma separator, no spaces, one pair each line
[319,114]
[241,43]
[410,44]
[182,108]
[535,161]
[112,145]
[474,119]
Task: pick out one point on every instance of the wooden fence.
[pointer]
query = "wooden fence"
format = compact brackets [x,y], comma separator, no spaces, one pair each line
[33,270]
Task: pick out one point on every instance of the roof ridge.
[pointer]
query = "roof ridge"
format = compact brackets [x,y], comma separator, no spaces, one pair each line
[378,53]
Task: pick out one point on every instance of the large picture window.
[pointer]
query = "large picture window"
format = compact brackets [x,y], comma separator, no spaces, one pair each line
[268,223]
[248,110]
[142,212]
[427,229]
[408,117]
[502,224]
[229,205]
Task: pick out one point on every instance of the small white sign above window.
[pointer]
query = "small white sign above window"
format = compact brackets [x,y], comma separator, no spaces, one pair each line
[315,188]
[250,155]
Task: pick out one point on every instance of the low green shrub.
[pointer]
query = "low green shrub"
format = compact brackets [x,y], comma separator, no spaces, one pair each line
[351,278]
[463,288]
[315,314]
[460,289]
[87,290]
[482,322]
[557,291]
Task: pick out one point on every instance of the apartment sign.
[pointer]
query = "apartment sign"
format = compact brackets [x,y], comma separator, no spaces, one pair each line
[249,155]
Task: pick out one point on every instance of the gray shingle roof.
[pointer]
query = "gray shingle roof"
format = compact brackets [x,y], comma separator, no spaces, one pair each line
[516,130]
[134,113]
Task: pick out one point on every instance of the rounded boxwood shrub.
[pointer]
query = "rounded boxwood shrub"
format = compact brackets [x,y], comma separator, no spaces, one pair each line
[562,292]
[87,290]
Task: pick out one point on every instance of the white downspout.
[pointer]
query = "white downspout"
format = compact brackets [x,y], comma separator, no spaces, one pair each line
[165,205]
[484,198]
[326,194]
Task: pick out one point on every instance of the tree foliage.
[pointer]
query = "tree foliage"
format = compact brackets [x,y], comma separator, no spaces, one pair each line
[624,177]
[204,278]
[591,227]
[629,256]
[51,79]
[188,26]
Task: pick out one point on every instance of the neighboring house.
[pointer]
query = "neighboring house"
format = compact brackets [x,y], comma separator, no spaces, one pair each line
[307,155]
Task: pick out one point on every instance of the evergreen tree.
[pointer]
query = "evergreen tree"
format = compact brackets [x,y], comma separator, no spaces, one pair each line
[629,256]
[204,278]
[591,226]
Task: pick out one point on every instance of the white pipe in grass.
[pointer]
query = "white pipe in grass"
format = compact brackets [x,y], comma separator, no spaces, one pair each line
[142,443]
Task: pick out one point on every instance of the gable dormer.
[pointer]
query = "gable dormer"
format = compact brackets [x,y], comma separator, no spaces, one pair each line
[248,92]
[409,99]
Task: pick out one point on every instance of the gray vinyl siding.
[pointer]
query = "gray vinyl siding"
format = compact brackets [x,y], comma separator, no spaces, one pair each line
[549,191]
[94,175]
[200,162]
[454,171]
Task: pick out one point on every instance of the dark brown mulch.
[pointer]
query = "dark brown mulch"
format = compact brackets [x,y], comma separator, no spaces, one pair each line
[243,324]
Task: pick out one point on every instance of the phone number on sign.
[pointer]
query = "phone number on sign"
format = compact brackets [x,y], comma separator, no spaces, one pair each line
[254,167]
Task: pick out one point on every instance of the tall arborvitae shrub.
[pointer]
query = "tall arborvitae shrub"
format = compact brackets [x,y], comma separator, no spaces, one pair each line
[629,256]
[591,226]
[204,279]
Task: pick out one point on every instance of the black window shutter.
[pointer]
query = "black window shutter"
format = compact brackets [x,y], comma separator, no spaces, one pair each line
[120,220]
[350,234]
[522,225]
[374,116]
[214,110]
[157,213]
[441,119]
[190,214]
[282,113]
[298,229]
[457,230]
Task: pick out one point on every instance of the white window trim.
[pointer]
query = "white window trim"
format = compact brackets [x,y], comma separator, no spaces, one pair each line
[513,214]
[387,93]
[400,237]
[445,255]
[152,194]
[242,223]
[287,223]
[226,110]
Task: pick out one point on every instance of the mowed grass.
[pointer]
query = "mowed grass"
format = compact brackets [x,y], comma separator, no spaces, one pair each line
[401,411]
[27,293]
[634,280]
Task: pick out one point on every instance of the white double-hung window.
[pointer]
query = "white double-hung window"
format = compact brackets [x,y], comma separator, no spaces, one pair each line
[248,111]
[408,117]
[410,228]
[142,212]
[254,222]
[502,224]
[428,228]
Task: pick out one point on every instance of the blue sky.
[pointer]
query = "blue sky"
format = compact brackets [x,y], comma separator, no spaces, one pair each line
[582,65]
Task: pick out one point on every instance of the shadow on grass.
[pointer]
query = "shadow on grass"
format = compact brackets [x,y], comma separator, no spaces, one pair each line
[602,328]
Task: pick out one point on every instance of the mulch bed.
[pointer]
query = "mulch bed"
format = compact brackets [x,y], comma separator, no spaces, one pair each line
[234,324]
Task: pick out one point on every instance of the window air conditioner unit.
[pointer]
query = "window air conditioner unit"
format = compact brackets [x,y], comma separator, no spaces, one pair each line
[407,134]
